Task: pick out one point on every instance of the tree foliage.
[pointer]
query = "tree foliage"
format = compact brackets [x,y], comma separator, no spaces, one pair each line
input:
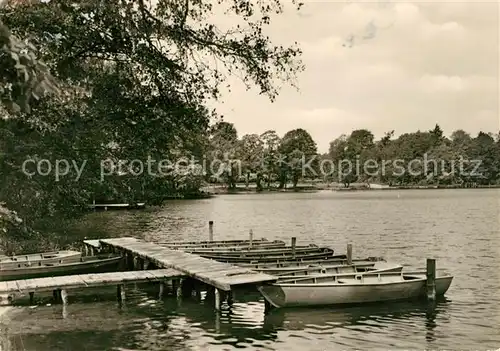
[133,80]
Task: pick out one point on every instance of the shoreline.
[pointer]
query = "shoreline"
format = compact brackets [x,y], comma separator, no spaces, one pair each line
[313,189]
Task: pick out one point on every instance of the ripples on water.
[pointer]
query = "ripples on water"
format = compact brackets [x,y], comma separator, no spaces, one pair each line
[459,228]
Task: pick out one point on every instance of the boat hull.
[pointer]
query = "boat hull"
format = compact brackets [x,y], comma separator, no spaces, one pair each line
[91,264]
[298,263]
[20,261]
[320,253]
[258,251]
[297,295]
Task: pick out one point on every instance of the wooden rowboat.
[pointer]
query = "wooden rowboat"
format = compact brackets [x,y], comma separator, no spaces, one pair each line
[88,264]
[293,264]
[318,253]
[261,252]
[354,288]
[228,247]
[19,261]
[362,267]
[218,243]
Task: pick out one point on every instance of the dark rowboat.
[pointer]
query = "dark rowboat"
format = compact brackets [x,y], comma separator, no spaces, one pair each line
[230,248]
[20,261]
[319,253]
[219,244]
[259,252]
[336,259]
[89,264]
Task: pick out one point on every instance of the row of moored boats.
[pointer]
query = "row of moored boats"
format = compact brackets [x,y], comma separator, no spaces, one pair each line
[311,275]
[306,275]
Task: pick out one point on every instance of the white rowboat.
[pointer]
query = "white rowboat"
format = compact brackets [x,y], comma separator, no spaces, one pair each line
[338,289]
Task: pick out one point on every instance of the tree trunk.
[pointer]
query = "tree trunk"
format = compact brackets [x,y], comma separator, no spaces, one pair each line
[258,182]
[295,180]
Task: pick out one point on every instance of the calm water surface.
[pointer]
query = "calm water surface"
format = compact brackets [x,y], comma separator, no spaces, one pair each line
[460,228]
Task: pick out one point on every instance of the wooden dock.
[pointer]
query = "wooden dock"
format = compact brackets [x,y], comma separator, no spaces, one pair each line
[64,283]
[220,275]
[105,207]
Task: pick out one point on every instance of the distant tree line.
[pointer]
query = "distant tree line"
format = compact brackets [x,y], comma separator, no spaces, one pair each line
[123,80]
[419,158]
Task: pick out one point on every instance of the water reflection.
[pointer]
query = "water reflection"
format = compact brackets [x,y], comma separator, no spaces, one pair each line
[338,317]
[459,228]
[146,323]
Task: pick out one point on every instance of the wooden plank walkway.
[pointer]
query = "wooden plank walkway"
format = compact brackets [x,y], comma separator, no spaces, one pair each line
[220,275]
[24,286]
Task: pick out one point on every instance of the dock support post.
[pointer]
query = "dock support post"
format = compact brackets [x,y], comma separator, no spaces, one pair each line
[162,290]
[431,279]
[56,294]
[32,297]
[187,287]
[250,237]
[349,253]
[217,299]
[122,267]
[86,250]
[138,263]
[197,292]
[130,261]
[267,307]
[120,293]
[210,230]
[175,283]
[178,289]
[230,298]
[64,296]
[294,242]
[145,264]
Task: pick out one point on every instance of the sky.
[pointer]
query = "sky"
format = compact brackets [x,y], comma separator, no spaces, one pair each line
[382,66]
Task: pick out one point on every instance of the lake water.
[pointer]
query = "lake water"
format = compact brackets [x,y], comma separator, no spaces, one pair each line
[460,228]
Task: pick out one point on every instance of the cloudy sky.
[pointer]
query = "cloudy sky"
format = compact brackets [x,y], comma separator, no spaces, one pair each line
[382,66]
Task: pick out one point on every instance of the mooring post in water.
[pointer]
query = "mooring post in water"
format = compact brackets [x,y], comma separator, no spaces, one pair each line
[32,298]
[250,237]
[217,299]
[431,279]
[349,253]
[210,230]
[294,242]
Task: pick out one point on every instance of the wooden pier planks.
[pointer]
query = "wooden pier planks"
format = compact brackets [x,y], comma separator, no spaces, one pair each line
[220,275]
[86,280]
